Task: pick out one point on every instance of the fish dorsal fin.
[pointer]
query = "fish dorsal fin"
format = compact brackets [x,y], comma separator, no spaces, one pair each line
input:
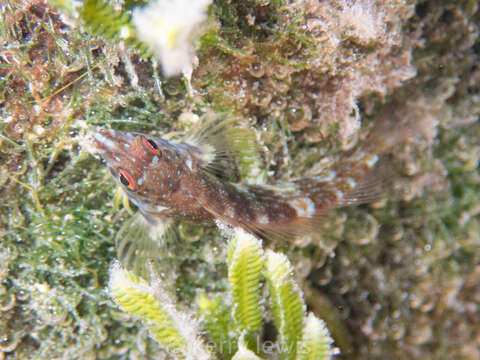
[221,145]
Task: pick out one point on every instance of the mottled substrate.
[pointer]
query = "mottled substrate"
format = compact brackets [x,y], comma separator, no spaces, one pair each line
[401,274]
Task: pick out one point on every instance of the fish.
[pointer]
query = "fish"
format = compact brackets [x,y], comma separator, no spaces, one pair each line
[181,179]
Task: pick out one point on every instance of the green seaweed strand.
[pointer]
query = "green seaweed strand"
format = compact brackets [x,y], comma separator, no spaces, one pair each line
[316,341]
[245,263]
[112,24]
[287,304]
[134,296]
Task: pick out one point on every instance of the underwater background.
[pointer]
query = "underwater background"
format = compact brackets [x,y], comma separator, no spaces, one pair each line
[397,279]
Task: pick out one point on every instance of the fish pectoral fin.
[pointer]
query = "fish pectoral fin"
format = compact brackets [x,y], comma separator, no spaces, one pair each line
[221,145]
[140,244]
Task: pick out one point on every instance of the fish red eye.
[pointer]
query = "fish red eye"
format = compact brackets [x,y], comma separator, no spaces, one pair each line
[151,145]
[126,179]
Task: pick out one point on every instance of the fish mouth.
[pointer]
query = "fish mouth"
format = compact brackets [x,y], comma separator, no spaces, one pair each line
[98,142]
[106,142]
[88,144]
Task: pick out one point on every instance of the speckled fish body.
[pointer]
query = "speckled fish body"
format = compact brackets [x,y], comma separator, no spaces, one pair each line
[170,179]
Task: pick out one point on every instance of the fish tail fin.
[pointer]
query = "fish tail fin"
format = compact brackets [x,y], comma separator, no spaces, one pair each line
[398,123]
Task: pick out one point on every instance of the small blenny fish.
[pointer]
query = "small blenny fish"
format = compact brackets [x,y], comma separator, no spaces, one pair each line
[165,179]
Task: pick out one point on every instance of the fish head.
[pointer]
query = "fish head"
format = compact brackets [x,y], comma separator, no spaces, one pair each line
[141,164]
